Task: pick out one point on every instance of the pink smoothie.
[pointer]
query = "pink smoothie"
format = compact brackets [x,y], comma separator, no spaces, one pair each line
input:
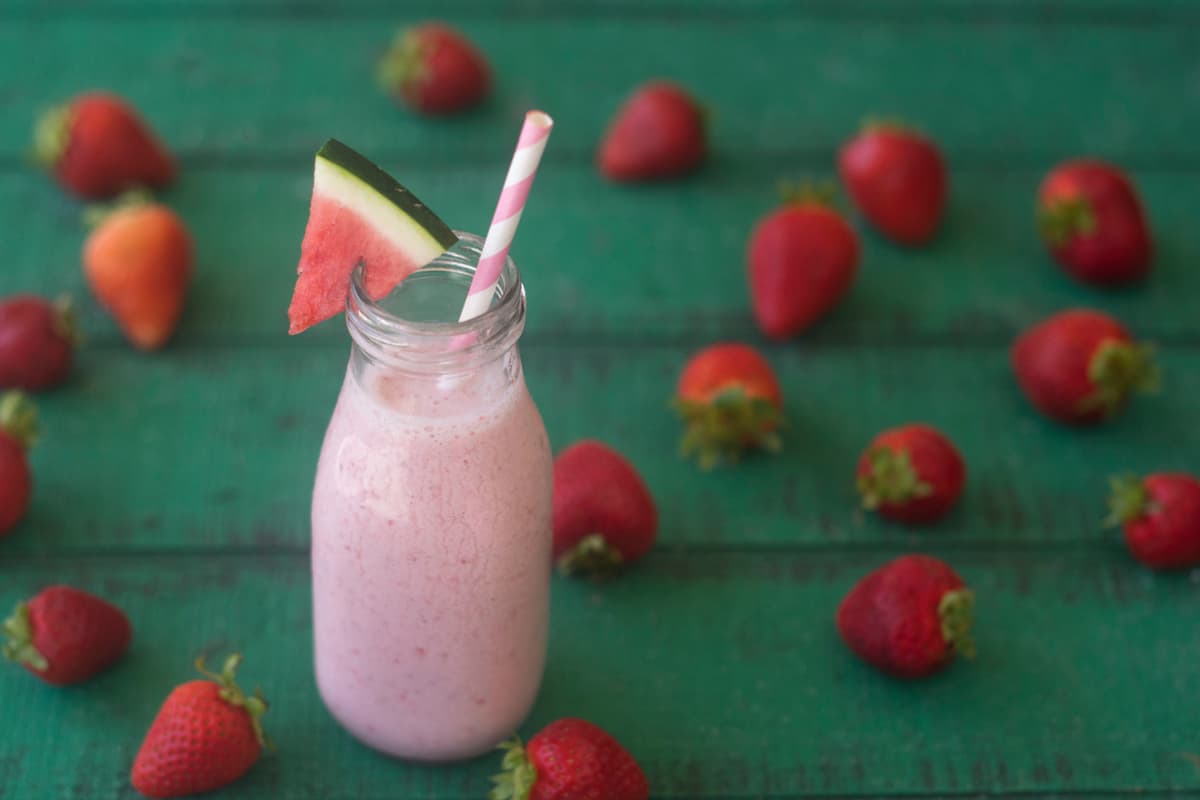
[431,559]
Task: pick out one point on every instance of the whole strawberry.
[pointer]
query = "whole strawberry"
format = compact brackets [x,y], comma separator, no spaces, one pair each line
[207,734]
[66,636]
[1160,515]
[912,473]
[658,133]
[730,401]
[801,260]
[138,262]
[604,516]
[1081,366]
[897,179]
[18,431]
[570,759]
[1092,223]
[37,342]
[434,70]
[97,146]
[909,617]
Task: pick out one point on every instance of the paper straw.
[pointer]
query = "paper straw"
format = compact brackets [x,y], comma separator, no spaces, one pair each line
[521,172]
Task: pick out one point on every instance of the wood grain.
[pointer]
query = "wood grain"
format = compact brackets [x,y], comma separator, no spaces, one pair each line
[614,264]
[215,449]
[258,88]
[721,673]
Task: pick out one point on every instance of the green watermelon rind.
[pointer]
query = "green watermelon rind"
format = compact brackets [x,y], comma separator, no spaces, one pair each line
[352,166]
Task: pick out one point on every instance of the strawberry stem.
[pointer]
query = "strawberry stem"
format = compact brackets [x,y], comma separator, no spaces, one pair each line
[1064,219]
[51,135]
[402,63]
[807,193]
[728,423]
[592,555]
[885,124]
[1129,500]
[892,479]
[66,320]
[19,648]
[1116,370]
[518,775]
[255,705]
[96,213]
[956,611]
[18,418]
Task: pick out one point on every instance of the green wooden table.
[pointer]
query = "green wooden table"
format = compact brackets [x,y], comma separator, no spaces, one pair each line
[178,484]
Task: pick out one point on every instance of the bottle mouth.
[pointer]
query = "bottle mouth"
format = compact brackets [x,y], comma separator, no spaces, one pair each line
[416,323]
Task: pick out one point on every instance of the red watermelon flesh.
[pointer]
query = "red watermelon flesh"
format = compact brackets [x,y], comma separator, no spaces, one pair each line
[359,213]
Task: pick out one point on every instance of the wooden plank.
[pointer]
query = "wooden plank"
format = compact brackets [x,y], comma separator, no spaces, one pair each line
[717,696]
[607,263]
[776,86]
[1054,10]
[216,448]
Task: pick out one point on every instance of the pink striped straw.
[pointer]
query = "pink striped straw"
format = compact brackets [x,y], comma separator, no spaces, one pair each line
[519,180]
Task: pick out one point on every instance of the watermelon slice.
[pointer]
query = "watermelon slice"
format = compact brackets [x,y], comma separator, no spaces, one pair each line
[359,213]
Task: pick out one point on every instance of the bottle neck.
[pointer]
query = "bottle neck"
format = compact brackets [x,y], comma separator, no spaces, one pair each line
[411,330]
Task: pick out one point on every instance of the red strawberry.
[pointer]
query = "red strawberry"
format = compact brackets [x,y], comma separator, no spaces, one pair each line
[569,760]
[66,636]
[37,342]
[18,430]
[909,617]
[730,401]
[898,181]
[138,262]
[1081,366]
[207,734]
[1161,517]
[604,516]
[1092,222]
[912,473]
[801,260]
[98,146]
[658,133]
[435,70]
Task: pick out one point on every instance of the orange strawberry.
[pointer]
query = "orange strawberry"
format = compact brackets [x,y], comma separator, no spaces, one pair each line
[138,262]
[207,735]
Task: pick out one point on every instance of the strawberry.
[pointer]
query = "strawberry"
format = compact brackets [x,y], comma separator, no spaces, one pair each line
[658,133]
[730,401]
[98,146]
[37,342]
[435,70]
[138,261]
[604,516]
[909,617]
[898,181]
[1081,366]
[1092,223]
[66,636]
[570,759]
[207,734]
[912,473]
[1161,517]
[18,430]
[801,260]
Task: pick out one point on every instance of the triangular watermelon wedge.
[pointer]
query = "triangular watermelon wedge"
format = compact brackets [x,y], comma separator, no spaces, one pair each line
[359,213]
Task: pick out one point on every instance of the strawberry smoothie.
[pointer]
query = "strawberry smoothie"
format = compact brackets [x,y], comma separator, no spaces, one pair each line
[431,550]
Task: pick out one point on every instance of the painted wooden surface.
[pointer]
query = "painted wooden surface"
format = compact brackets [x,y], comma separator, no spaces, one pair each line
[177,484]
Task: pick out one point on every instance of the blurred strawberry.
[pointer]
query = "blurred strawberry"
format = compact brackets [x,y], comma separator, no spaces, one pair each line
[658,133]
[97,146]
[435,70]
[37,342]
[1093,224]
